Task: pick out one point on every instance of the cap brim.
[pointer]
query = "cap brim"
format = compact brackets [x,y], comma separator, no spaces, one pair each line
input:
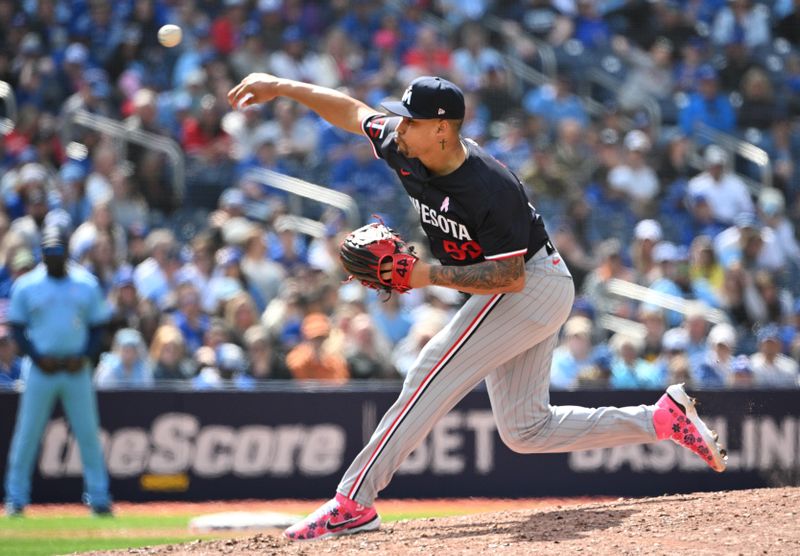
[398,108]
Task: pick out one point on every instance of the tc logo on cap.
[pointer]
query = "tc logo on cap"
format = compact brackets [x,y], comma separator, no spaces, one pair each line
[429,98]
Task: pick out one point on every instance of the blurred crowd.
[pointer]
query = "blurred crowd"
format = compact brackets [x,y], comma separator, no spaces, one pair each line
[212,282]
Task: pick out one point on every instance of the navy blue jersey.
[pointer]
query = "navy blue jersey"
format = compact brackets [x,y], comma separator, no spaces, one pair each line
[477,212]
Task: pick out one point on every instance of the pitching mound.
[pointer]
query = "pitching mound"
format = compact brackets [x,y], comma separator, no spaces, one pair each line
[763,521]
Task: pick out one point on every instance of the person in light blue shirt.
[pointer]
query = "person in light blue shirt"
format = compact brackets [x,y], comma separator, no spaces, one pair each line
[58,315]
[10,362]
[708,105]
[229,370]
[628,369]
[390,318]
[556,102]
[667,255]
[126,366]
[574,354]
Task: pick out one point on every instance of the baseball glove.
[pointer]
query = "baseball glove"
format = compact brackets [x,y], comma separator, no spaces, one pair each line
[368,252]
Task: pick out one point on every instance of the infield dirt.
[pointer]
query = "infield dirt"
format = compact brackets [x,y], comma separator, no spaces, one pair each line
[764,521]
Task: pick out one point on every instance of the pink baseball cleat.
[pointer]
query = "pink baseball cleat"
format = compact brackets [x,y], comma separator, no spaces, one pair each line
[339,516]
[676,418]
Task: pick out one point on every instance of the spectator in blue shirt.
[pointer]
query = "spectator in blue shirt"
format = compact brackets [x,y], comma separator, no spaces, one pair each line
[73,191]
[10,362]
[126,366]
[686,70]
[124,300]
[189,317]
[742,20]
[101,29]
[189,65]
[512,147]
[155,277]
[229,273]
[573,355]
[674,344]
[590,27]
[696,327]
[390,319]
[555,102]
[707,106]
[361,22]
[666,255]
[742,375]
[714,369]
[628,369]
[286,248]
[475,57]
[611,215]
[363,176]
[702,221]
[229,370]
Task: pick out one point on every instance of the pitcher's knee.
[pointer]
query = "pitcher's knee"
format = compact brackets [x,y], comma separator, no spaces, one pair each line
[516,442]
[526,440]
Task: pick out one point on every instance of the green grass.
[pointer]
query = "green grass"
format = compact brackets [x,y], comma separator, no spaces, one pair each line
[48,536]
[59,545]
[419,515]
[54,524]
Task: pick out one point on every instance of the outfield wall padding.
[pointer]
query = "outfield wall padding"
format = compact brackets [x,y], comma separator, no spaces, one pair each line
[296,443]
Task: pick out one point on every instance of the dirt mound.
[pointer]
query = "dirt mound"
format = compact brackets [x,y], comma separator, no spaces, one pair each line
[760,521]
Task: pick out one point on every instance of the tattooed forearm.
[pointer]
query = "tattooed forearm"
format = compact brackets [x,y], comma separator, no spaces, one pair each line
[485,277]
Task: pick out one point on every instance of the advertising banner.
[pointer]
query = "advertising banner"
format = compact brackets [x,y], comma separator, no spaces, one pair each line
[171,445]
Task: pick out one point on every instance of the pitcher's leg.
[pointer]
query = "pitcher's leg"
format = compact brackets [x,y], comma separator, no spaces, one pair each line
[80,405]
[485,333]
[440,377]
[35,407]
[519,392]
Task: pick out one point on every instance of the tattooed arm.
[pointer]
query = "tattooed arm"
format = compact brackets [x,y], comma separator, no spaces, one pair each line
[488,277]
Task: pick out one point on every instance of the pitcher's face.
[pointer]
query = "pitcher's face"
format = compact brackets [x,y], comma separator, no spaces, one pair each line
[416,137]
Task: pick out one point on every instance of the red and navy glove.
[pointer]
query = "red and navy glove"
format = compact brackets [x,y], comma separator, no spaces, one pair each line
[378,257]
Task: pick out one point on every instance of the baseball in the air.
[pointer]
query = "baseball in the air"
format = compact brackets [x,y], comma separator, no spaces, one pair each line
[170,35]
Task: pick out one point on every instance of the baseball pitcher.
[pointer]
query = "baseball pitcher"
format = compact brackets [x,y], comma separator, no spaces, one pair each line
[490,242]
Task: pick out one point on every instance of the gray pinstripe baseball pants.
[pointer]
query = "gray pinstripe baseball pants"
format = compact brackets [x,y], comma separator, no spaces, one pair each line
[508,340]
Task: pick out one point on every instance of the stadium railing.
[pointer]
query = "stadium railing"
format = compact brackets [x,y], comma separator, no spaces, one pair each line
[124,134]
[547,56]
[750,152]
[636,292]
[298,188]
[302,225]
[602,79]
[623,326]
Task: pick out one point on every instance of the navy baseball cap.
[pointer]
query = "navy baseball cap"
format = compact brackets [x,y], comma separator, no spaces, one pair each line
[429,98]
